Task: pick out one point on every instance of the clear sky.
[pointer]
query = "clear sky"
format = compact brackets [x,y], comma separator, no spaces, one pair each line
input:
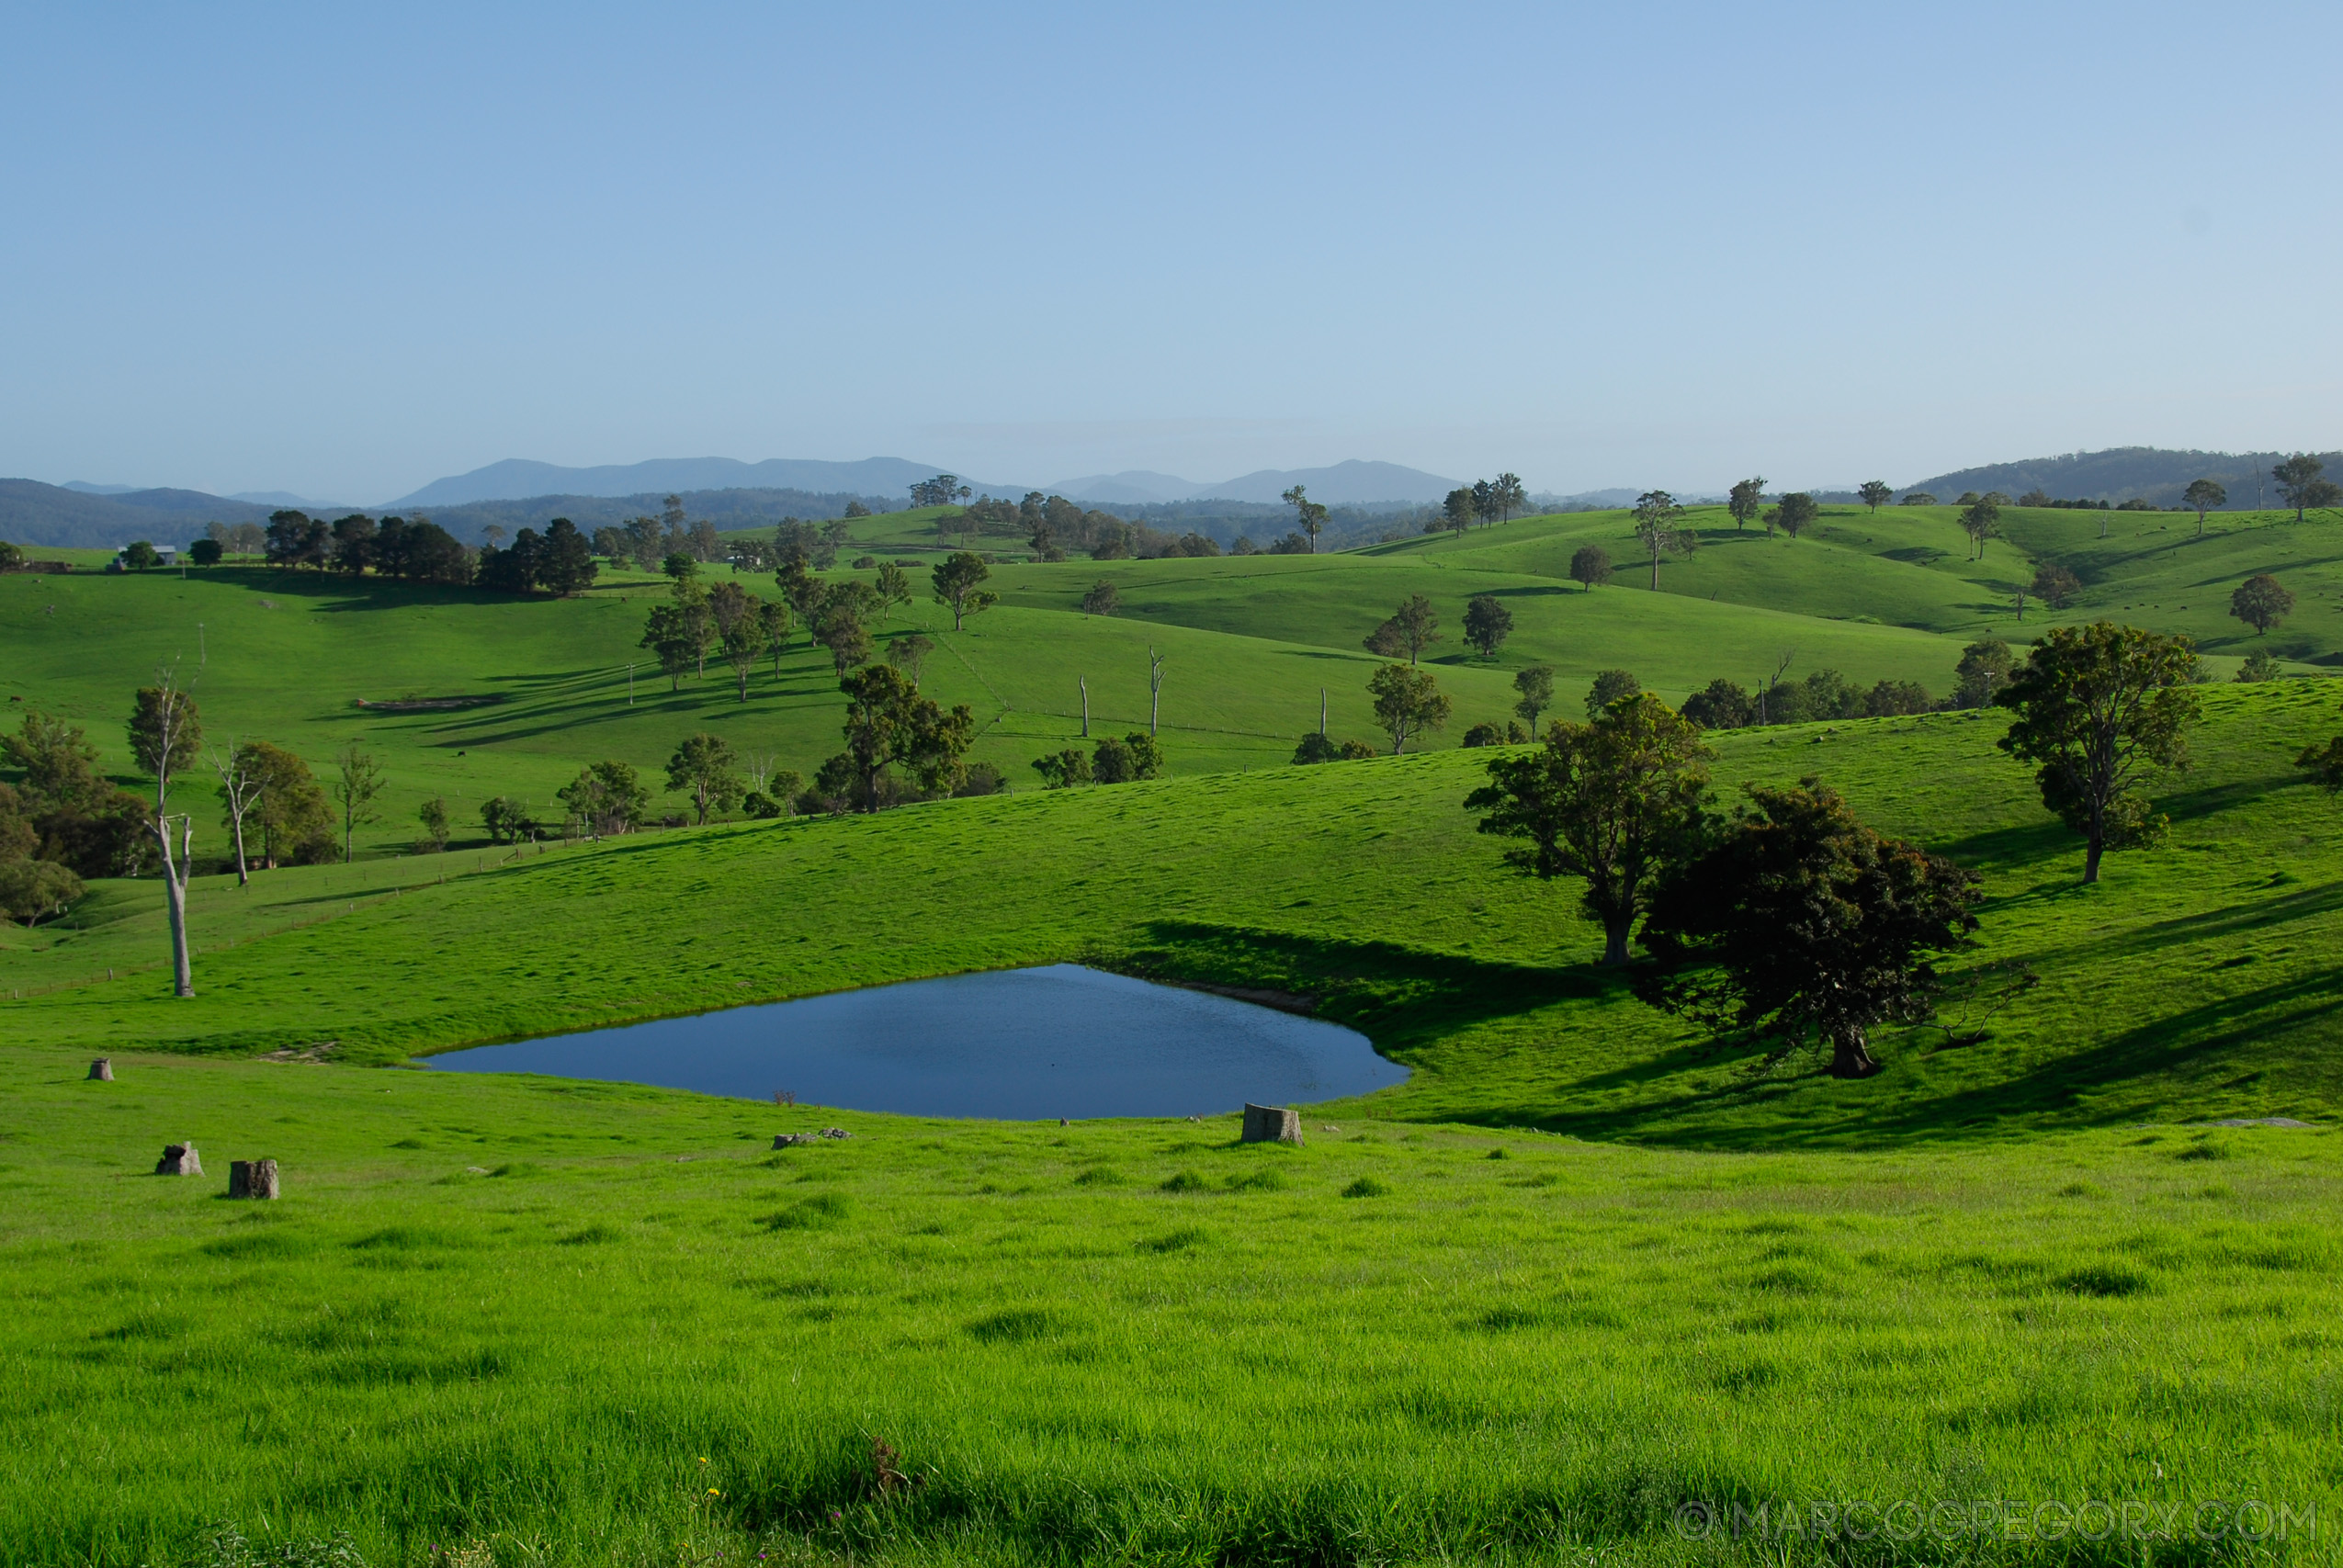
[342,251]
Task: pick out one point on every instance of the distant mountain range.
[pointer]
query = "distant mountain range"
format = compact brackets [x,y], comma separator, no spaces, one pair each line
[2151,473]
[1353,483]
[519,478]
[517,493]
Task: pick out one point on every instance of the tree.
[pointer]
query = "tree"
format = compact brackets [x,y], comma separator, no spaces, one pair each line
[1891,699]
[774,616]
[2259,667]
[239,792]
[1590,567]
[605,799]
[908,654]
[1063,770]
[354,543]
[1919,498]
[956,582]
[1979,520]
[290,813]
[59,763]
[167,736]
[2098,706]
[889,725]
[1533,687]
[705,768]
[1102,599]
[432,815]
[894,586]
[940,490]
[1412,627]
[1745,501]
[357,780]
[1487,623]
[565,563]
[1609,686]
[1874,494]
[2261,602]
[1659,525]
[2324,763]
[1484,500]
[295,539]
[837,623]
[743,628]
[1507,496]
[1456,512]
[1802,922]
[32,889]
[2054,585]
[12,557]
[1720,704]
[1616,802]
[1978,676]
[1794,514]
[1307,513]
[1408,701]
[2297,479]
[677,634]
[140,555]
[203,552]
[2204,496]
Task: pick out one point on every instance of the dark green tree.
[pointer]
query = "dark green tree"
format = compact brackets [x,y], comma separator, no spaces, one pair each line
[357,779]
[1874,494]
[1408,702]
[565,563]
[1507,496]
[1533,693]
[140,555]
[1102,599]
[1456,512]
[2054,585]
[2204,496]
[705,767]
[1487,623]
[2096,707]
[1794,513]
[1980,519]
[203,552]
[1745,501]
[1978,678]
[956,582]
[1590,567]
[1063,770]
[1617,802]
[1609,686]
[2261,602]
[1801,923]
[2300,479]
[1412,627]
[889,725]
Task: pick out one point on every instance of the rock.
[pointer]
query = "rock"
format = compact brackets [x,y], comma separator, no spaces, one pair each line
[102,1069]
[1271,1124]
[835,1133]
[252,1178]
[179,1159]
[785,1140]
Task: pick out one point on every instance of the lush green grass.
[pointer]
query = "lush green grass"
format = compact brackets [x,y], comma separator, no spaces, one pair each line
[522,1312]
[591,1323]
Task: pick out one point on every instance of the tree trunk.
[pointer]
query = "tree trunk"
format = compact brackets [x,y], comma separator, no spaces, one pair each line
[1084,682]
[1614,941]
[1850,1055]
[175,895]
[244,877]
[2092,847]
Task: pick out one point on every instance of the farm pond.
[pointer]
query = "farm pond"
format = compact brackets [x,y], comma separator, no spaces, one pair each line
[1016,1044]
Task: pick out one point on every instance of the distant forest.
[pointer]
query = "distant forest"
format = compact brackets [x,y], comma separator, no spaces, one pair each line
[2153,474]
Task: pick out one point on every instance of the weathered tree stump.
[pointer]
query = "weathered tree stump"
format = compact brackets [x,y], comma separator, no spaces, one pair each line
[1271,1124]
[179,1159]
[102,1069]
[252,1178]
[785,1140]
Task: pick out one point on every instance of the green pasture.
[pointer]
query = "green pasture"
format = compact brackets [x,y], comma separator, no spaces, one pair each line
[1586,1271]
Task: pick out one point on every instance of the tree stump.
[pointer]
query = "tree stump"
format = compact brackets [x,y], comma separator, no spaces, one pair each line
[252,1178]
[179,1159]
[787,1140]
[1271,1124]
[102,1069]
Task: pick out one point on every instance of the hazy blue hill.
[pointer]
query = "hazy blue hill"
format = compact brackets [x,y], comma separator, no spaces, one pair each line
[2152,473]
[728,509]
[1353,483]
[519,478]
[54,517]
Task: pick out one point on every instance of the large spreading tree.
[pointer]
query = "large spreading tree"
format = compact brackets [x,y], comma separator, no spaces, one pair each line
[2097,707]
[1799,922]
[1408,701]
[955,583]
[889,725]
[1617,802]
[1659,526]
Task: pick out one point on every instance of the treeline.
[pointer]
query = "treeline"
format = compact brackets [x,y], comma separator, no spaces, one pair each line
[558,561]
[1053,527]
[65,821]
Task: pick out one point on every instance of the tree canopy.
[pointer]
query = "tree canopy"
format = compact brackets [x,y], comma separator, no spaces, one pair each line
[1408,701]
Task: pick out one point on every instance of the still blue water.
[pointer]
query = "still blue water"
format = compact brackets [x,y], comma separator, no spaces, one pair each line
[1018,1044]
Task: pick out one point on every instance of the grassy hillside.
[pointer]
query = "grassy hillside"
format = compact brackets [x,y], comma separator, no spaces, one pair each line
[1586,1269]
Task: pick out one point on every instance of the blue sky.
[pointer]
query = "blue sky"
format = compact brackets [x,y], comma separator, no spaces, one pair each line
[342,251]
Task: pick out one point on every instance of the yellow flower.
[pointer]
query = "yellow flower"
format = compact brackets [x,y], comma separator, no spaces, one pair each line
[714,1493]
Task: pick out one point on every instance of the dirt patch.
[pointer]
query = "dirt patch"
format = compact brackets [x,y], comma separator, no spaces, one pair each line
[324,1051]
[1284,1001]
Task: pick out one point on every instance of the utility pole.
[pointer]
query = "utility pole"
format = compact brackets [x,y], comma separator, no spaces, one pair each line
[630,686]
[1154,689]
[1321,713]
[1084,682]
